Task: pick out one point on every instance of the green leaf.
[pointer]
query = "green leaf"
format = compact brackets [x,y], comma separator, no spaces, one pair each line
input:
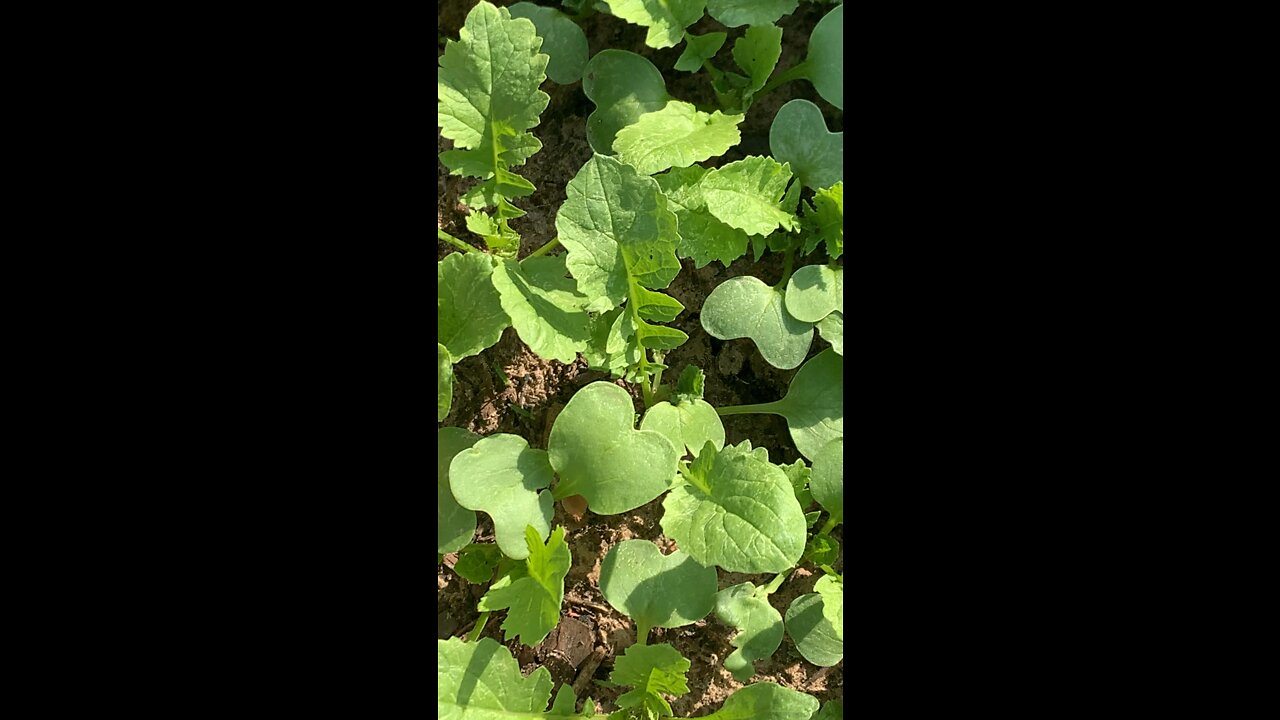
[744,307]
[828,478]
[533,594]
[799,137]
[678,135]
[562,39]
[468,313]
[652,670]
[766,701]
[698,49]
[688,425]
[689,386]
[444,382]
[617,228]
[481,681]
[544,306]
[811,518]
[737,511]
[833,710]
[489,97]
[477,561]
[500,238]
[734,13]
[826,57]
[748,194]
[821,550]
[831,588]
[831,328]
[814,292]
[815,637]
[823,221]
[623,87]
[598,453]
[814,404]
[746,607]
[702,237]
[757,53]
[799,475]
[455,524]
[656,590]
[666,19]
[502,476]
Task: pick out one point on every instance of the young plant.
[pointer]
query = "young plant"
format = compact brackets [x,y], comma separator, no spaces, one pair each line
[689,422]
[746,607]
[501,475]
[813,405]
[656,590]
[532,591]
[653,671]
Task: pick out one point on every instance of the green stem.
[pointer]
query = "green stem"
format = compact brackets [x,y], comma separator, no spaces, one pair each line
[642,634]
[456,242]
[786,76]
[546,248]
[475,634]
[829,526]
[777,582]
[645,389]
[786,267]
[657,377]
[747,409]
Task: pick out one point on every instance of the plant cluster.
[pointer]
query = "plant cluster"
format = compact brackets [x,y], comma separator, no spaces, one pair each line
[650,195]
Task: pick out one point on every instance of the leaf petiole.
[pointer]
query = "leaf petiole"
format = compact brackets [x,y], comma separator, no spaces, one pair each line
[786,76]
[475,633]
[551,245]
[770,407]
[456,242]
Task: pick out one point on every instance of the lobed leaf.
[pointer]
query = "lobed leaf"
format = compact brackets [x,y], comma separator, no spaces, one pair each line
[562,40]
[737,511]
[501,475]
[757,53]
[477,561]
[455,524]
[598,454]
[666,19]
[826,57]
[799,137]
[814,292]
[699,49]
[533,593]
[744,307]
[766,701]
[652,670]
[545,307]
[748,195]
[623,86]
[657,590]
[746,607]
[734,13]
[469,313]
[481,681]
[678,135]
[815,637]
[444,382]
[702,237]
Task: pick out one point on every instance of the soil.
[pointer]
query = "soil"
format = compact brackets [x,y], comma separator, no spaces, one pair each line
[526,400]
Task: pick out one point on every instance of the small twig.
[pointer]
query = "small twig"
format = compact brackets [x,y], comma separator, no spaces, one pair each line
[588,671]
[587,603]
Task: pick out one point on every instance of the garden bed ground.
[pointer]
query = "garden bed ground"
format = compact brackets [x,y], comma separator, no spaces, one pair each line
[509,389]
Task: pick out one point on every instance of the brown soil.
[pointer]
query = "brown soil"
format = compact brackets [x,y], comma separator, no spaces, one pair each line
[534,390]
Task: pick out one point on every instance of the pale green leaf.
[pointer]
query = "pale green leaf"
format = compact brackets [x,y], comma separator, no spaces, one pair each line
[737,511]
[757,53]
[666,19]
[813,405]
[829,206]
[455,525]
[748,195]
[744,307]
[826,57]
[468,313]
[544,306]
[562,39]
[598,453]
[653,670]
[831,328]
[444,382]
[678,135]
[655,590]
[617,228]
[482,681]
[827,482]
[502,475]
[814,292]
[766,701]
[831,588]
[698,49]
[532,597]
[623,86]
[477,561]
[799,137]
[799,476]
[821,550]
[702,237]
[734,13]
[689,424]
[815,637]
[746,607]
